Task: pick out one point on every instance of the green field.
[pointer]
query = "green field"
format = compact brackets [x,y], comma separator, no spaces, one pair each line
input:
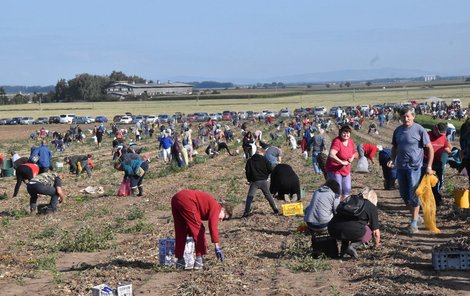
[310,98]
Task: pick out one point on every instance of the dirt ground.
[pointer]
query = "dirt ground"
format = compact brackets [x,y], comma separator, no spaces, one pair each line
[33,260]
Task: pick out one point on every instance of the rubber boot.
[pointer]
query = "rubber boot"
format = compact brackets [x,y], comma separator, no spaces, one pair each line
[134,191]
[141,190]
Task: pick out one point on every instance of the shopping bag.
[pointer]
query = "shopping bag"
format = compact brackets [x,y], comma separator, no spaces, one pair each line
[125,188]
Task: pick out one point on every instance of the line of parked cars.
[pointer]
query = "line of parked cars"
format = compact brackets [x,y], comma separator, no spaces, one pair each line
[63,118]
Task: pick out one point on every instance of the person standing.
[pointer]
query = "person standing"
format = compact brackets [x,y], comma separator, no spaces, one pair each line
[409,141]
[99,134]
[189,209]
[257,170]
[318,145]
[440,145]
[42,155]
[340,158]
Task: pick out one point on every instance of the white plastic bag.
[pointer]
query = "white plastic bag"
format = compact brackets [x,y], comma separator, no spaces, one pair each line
[362,165]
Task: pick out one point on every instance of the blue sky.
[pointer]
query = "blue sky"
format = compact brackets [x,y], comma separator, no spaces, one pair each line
[44,41]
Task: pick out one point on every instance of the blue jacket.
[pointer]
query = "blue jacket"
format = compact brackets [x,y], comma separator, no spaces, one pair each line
[45,156]
[166,142]
[131,163]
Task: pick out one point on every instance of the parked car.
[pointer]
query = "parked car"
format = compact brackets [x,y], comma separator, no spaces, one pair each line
[285,113]
[125,119]
[214,116]
[4,121]
[101,119]
[26,120]
[54,119]
[14,120]
[151,119]
[163,118]
[91,119]
[117,118]
[243,114]
[81,120]
[66,118]
[202,116]
[138,118]
[191,117]
[319,111]
[41,120]
[226,115]
[333,111]
[269,114]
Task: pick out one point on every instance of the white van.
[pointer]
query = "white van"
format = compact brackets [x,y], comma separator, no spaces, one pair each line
[66,118]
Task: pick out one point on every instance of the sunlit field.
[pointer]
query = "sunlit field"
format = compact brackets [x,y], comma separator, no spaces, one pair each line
[327,98]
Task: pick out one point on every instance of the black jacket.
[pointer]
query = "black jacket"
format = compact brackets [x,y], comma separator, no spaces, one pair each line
[257,168]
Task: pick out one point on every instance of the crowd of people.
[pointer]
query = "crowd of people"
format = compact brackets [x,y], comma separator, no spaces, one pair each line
[414,152]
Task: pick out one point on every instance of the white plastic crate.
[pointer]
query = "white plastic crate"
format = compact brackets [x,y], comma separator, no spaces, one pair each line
[102,290]
[451,260]
[124,290]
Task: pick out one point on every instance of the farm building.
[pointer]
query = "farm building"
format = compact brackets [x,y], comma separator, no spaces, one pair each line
[123,89]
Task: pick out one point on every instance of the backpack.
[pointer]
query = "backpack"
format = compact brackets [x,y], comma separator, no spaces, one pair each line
[352,206]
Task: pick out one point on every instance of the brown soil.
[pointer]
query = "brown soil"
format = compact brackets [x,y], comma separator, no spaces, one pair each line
[255,247]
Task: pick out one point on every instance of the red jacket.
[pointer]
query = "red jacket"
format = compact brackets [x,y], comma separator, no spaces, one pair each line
[205,206]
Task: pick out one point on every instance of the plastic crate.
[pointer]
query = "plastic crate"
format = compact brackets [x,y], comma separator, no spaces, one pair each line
[451,260]
[166,251]
[102,290]
[292,209]
[124,290]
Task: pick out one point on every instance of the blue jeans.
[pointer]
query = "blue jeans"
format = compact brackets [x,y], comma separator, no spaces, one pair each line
[408,181]
[316,167]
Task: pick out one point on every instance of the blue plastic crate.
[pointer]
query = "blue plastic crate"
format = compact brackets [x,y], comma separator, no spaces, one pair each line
[451,260]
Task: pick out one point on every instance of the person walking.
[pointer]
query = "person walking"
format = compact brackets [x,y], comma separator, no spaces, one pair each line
[340,158]
[409,141]
[440,145]
[189,209]
[257,170]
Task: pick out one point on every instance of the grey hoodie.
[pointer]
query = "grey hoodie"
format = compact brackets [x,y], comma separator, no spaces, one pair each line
[322,206]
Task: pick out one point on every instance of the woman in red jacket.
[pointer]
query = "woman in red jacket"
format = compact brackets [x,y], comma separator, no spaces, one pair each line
[190,208]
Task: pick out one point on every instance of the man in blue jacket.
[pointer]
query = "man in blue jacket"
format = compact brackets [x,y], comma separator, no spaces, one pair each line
[42,156]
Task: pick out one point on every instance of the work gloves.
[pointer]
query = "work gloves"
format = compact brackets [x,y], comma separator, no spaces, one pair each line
[219,254]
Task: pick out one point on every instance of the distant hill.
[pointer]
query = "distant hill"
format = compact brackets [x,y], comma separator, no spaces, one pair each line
[27,89]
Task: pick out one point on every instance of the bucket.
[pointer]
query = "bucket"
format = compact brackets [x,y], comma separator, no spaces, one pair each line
[8,172]
[461,199]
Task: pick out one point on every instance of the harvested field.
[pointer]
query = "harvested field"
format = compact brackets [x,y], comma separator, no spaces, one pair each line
[110,239]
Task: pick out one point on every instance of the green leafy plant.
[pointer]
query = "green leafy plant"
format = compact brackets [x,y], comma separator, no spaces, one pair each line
[85,240]
[3,196]
[135,213]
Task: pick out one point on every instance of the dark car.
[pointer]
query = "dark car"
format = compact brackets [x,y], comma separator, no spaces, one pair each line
[117,118]
[15,120]
[101,119]
[226,115]
[4,121]
[54,119]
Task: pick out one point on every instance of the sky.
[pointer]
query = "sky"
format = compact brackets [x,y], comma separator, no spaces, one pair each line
[42,42]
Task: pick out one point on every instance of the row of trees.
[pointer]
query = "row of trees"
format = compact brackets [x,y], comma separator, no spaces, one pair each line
[86,87]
